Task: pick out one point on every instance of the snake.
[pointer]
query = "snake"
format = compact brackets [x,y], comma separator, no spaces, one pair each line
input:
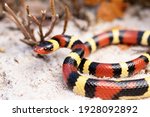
[104,86]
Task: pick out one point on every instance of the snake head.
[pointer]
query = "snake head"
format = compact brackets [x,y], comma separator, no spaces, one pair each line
[44,47]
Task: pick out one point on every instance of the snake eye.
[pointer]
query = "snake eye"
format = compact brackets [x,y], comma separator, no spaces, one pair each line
[49,48]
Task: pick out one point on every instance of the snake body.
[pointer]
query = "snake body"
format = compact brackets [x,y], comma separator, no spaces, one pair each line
[102,88]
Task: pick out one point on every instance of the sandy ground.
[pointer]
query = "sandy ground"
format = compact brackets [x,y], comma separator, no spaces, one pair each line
[24,76]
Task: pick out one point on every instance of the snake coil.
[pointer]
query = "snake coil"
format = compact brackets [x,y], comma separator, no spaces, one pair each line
[102,88]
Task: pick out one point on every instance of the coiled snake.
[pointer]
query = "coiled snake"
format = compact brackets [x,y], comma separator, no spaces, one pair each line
[102,88]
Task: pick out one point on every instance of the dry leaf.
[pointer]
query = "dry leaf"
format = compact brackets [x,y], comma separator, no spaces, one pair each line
[111,10]
[120,4]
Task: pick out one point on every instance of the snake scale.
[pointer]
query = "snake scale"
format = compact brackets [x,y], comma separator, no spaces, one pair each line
[99,87]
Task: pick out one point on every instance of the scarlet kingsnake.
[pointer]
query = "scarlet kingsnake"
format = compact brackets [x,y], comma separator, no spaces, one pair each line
[102,88]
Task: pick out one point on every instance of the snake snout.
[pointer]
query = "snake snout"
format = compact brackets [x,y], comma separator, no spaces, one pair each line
[36,49]
[39,50]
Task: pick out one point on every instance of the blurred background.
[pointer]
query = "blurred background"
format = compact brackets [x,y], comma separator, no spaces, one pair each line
[90,11]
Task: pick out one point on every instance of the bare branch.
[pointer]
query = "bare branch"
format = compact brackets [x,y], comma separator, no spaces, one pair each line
[30,31]
[19,24]
[28,19]
[26,22]
[27,10]
[41,33]
[54,18]
[43,12]
[34,19]
[67,16]
[43,15]
[39,24]
[11,18]
[29,42]
[52,7]
[53,22]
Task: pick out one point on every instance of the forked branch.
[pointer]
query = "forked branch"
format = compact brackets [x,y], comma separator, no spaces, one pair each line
[26,24]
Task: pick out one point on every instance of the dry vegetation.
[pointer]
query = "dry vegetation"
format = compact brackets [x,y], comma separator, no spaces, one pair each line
[27,23]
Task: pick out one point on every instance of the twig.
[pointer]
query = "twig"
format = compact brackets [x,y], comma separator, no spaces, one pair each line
[10,17]
[19,24]
[52,8]
[28,19]
[52,24]
[67,15]
[40,26]
[54,18]
[29,24]
[26,22]
[29,42]
[43,15]
[34,19]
